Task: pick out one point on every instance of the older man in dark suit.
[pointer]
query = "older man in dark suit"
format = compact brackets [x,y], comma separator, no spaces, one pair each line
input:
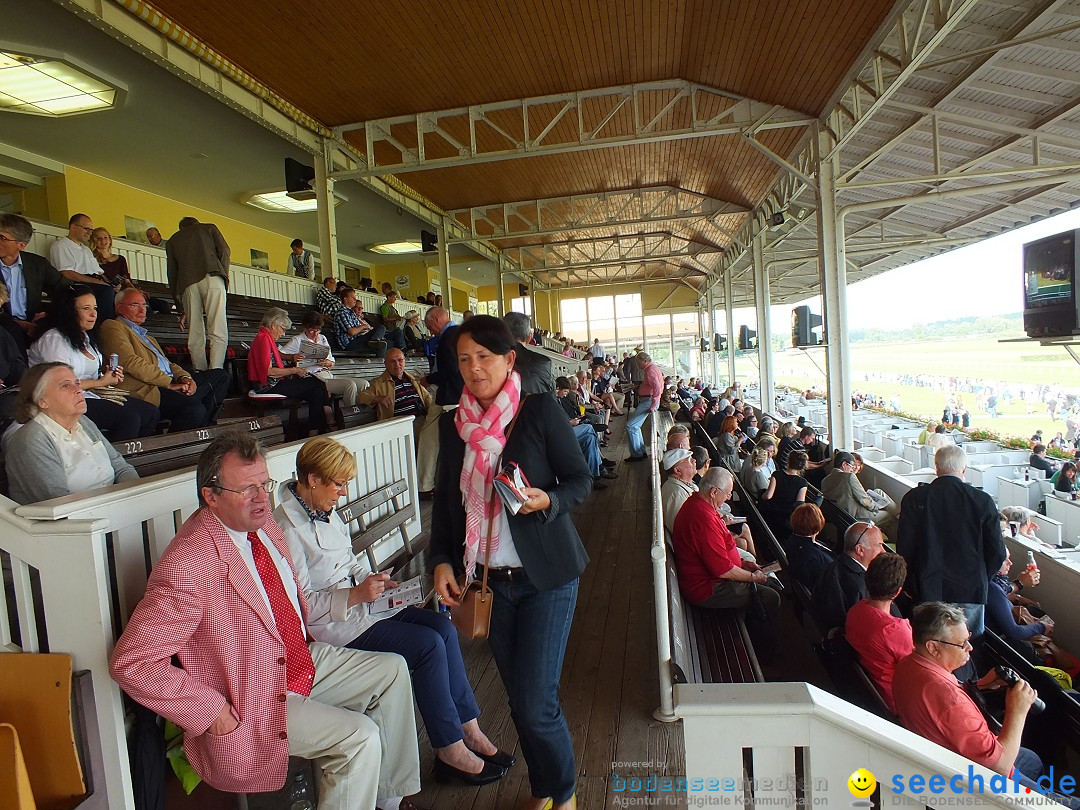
[198,268]
[26,276]
[534,368]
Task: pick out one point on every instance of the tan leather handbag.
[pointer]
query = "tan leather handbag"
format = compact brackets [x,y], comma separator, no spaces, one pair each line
[472,617]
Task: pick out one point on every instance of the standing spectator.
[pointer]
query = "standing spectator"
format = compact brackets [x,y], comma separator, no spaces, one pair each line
[950,535]
[392,321]
[268,374]
[652,386]
[534,368]
[72,340]
[75,261]
[880,638]
[353,333]
[597,349]
[301,261]
[533,558]
[446,373]
[188,400]
[153,236]
[198,268]
[57,451]
[26,276]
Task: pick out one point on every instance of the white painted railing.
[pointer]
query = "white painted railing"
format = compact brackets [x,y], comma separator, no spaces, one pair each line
[659,423]
[93,554]
[804,744]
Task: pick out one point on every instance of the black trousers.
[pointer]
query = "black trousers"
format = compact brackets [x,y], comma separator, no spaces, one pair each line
[197,410]
[311,390]
[133,419]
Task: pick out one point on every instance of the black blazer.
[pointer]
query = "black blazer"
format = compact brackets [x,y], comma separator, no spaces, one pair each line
[535,371]
[446,376]
[39,276]
[840,588]
[544,446]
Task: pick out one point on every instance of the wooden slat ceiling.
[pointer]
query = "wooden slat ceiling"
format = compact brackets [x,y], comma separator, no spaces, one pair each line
[344,61]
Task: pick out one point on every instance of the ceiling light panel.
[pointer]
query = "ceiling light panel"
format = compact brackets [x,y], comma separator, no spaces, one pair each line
[52,87]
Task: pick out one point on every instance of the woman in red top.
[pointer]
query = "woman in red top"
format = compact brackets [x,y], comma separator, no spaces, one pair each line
[268,374]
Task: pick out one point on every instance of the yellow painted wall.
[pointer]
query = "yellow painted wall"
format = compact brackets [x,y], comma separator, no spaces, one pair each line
[108,202]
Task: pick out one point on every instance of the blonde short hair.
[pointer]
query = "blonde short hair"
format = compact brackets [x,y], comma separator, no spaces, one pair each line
[326,459]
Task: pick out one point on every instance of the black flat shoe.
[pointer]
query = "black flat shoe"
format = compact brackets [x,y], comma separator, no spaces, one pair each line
[444,772]
[500,758]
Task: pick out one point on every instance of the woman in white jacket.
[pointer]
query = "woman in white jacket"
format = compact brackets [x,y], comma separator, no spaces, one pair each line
[340,587]
[311,329]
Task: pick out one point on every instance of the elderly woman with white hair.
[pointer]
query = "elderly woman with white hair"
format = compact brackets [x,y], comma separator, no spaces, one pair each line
[58,451]
[268,373]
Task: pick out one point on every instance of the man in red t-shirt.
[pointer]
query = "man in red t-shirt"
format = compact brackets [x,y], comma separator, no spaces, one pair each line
[711,572]
[881,639]
[932,704]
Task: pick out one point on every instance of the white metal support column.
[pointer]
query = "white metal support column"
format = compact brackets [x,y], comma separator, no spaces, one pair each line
[444,263]
[834,293]
[729,312]
[500,296]
[764,330]
[710,302]
[588,320]
[324,198]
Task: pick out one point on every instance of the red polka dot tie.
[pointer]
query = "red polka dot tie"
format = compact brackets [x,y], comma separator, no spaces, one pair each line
[299,668]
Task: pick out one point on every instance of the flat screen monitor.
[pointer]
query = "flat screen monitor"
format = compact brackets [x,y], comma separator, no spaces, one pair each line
[1050,300]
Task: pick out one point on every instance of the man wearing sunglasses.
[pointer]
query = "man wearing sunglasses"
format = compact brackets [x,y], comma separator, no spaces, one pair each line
[251,690]
[843,584]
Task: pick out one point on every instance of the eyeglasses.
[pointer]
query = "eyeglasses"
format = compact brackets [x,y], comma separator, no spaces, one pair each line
[8,239]
[966,643]
[250,492]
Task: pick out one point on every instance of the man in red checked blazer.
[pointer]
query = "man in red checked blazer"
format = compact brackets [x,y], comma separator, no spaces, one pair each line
[250,689]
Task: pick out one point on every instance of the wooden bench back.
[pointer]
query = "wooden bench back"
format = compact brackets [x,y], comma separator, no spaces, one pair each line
[369,532]
[174,451]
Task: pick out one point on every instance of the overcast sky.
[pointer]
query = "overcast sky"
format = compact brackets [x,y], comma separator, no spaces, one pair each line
[981,279]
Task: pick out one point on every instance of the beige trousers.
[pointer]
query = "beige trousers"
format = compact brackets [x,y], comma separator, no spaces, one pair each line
[340,385]
[358,726]
[206,299]
[427,449]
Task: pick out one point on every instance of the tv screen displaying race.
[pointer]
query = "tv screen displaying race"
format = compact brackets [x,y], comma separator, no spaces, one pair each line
[1048,270]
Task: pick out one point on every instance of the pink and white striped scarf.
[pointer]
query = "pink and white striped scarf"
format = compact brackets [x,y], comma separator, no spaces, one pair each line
[484,434]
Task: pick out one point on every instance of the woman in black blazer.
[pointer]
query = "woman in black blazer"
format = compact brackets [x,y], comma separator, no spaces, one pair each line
[535,556]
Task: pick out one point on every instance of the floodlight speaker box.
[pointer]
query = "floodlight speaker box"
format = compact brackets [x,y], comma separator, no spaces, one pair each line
[298,180]
[803,324]
[428,241]
[523,290]
[1051,300]
[719,342]
[704,344]
[747,338]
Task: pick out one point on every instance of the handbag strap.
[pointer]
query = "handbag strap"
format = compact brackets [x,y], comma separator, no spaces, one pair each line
[495,497]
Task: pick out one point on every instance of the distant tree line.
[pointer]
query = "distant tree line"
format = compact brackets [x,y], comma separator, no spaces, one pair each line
[960,327]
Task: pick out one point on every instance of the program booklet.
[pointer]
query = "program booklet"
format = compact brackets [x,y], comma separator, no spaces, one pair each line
[509,484]
[405,594]
[314,353]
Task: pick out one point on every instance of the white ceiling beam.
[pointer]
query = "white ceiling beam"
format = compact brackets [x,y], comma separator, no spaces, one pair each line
[561,123]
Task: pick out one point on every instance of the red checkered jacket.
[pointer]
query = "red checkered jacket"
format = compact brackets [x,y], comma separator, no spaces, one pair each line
[203,606]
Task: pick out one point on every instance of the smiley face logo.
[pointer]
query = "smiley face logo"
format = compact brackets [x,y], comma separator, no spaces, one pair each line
[861,783]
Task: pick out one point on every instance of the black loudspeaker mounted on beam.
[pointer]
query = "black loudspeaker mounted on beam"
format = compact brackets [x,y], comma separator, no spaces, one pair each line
[747,338]
[523,290]
[704,344]
[298,180]
[803,324]
[429,242]
[719,342]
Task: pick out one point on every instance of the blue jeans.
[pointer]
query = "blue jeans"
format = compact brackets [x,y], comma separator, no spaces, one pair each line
[395,339]
[528,636]
[590,447]
[429,644]
[634,423]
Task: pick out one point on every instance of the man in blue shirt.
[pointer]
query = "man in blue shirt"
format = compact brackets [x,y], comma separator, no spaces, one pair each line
[353,333]
[26,276]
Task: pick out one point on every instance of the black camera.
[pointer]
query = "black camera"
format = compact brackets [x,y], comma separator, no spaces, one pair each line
[1011,678]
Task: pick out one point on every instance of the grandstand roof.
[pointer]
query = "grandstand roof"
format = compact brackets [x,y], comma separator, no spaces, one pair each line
[598,141]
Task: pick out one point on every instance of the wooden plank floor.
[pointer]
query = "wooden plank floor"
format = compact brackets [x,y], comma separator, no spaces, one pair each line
[610,683]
